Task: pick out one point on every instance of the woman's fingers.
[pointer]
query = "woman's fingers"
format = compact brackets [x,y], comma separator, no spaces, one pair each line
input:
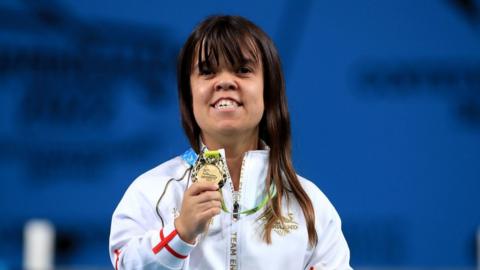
[199,188]
[209,204]
[208,214]
[208,196]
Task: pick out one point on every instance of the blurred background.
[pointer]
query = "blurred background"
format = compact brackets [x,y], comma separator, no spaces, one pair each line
[384,98]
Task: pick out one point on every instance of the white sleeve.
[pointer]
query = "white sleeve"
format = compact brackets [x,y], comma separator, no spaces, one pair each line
[332,251]
[137,239]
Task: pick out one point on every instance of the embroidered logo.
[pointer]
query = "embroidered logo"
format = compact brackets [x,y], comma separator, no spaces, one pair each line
[288,225]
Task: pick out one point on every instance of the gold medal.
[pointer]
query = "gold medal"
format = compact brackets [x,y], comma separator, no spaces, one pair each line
[209,168]
[209,173]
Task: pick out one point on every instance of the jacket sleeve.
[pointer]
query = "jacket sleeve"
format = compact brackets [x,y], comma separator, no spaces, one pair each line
[138,240]
[331,251]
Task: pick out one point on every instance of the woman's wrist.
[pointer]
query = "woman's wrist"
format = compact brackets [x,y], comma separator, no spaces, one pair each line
[182,232]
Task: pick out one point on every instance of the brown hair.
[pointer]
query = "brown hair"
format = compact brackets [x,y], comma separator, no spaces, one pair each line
[227,37]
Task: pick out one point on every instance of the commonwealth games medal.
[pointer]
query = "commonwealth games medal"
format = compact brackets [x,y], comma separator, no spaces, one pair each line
[209,168]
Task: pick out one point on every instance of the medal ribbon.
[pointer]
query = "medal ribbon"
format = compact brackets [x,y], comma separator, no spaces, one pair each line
[191,157]
[270,195]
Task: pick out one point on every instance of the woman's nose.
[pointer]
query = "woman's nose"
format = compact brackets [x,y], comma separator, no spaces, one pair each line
[225,81]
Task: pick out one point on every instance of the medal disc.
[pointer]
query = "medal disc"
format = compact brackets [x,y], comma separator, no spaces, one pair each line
[209,173]
[209,168]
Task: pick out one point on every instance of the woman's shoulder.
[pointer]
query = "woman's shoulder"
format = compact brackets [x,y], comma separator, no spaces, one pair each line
[174,168]
[313,191]
[324,209]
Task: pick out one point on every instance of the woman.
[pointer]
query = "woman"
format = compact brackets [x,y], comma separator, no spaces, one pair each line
[233,201]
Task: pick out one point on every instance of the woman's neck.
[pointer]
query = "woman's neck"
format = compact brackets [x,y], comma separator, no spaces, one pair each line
[235,149]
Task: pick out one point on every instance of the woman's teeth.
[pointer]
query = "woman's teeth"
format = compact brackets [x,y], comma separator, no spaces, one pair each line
[225,104]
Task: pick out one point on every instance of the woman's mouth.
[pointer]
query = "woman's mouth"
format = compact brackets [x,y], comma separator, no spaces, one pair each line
[225,104]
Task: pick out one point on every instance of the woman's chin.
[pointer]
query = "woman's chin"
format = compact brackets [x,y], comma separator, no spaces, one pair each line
[231,130]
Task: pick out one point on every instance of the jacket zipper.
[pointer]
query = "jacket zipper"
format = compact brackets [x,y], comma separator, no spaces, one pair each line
[236,194]
[236,216]
[233,263]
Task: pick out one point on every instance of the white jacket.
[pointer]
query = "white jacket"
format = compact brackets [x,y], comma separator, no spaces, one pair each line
[137,232]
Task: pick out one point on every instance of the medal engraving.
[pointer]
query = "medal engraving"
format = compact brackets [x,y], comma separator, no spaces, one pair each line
[209,168]
[209,173]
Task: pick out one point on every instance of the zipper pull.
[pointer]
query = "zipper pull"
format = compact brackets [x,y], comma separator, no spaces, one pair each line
[236,216]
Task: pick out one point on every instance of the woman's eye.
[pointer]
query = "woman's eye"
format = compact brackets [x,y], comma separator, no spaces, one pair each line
[205,71]
[244,70]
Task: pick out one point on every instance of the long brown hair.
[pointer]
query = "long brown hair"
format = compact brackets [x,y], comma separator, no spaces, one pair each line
[228,37]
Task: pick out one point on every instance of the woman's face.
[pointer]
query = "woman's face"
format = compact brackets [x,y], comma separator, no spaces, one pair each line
[228,100]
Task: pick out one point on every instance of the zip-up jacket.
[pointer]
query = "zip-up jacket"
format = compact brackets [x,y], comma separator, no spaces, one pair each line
[143,235]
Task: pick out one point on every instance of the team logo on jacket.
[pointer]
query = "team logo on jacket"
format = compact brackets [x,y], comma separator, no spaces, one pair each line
[289,225]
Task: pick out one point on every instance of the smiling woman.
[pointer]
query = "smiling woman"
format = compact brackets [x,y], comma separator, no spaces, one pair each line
[227,99]
[232,201]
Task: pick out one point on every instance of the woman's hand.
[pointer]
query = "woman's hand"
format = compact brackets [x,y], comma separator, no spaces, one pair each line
[201,202]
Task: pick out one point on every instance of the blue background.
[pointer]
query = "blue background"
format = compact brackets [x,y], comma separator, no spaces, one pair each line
[384,98]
